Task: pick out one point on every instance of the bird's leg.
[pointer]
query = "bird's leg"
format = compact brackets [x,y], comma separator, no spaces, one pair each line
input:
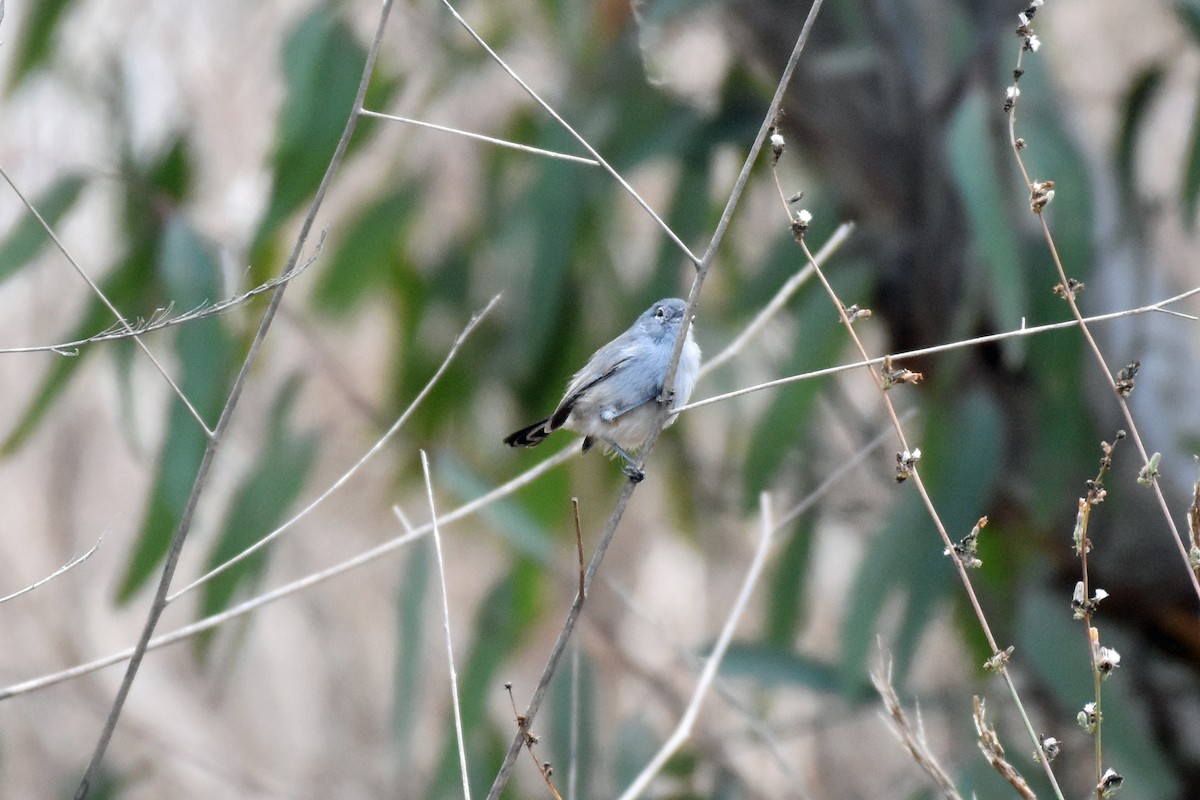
[630,469]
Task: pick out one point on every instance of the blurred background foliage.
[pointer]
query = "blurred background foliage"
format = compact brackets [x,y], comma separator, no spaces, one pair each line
[894,121]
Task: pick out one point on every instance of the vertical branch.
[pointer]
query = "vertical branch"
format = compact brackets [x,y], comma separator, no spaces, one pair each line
[437,546]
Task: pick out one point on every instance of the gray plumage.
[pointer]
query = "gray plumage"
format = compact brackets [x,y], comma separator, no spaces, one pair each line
[612,399]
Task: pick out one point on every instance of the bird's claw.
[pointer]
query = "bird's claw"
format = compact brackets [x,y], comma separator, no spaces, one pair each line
[633,473]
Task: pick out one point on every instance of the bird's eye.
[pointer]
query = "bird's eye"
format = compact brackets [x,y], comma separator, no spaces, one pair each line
[660,312]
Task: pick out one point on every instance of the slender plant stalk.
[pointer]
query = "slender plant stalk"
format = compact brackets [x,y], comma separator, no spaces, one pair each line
[74,562]
[1069,294]
[683,730]
[441,564]
[977,341]
[999,657]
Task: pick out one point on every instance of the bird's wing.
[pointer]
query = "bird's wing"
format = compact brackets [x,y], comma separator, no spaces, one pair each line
[585,379]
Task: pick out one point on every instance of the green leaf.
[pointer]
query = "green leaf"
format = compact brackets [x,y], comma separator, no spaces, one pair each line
[37,33]
[1191,176]
[366,253]
[785,601]
[770,664]
[205,353]
[259,506]
[28,237]
[558,205]
[818,342]
[524,533]
[1137,103]
[322,67]
[412,601]
[1189,13]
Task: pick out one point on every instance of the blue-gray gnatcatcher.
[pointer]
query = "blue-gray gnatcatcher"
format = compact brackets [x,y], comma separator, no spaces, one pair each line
[612,399]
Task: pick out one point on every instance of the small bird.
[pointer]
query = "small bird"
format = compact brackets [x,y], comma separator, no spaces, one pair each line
[612,399]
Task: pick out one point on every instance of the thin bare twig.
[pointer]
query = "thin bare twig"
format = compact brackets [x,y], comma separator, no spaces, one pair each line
[96,290]
[346,476]
[159,603]
[479,137]
[1068,293]
[684,729]
[543,767]
[69,565]
[777,302]
[161,318]
[578,544]
[912,472]
[567,127]
[441,565]
[941,348]
[300,584]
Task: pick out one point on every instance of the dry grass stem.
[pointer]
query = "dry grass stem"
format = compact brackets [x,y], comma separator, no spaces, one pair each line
[441,565]
[1041,193]
[993,751]
[911,735]
[684,729]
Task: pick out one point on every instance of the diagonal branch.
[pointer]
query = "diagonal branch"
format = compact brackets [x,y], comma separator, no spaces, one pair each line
[96,290]
[578,137]
[350,473]
[214,442]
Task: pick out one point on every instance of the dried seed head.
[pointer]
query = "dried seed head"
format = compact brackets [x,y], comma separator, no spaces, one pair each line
[1041,193]
[998,660]
[1107,660]
[1110,782]
[1088,718]
[905,462]
[897,375]
[1050,746]
[854,312]
[1149,473]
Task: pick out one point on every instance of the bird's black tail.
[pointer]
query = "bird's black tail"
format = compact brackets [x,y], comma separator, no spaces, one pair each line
[530,436]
